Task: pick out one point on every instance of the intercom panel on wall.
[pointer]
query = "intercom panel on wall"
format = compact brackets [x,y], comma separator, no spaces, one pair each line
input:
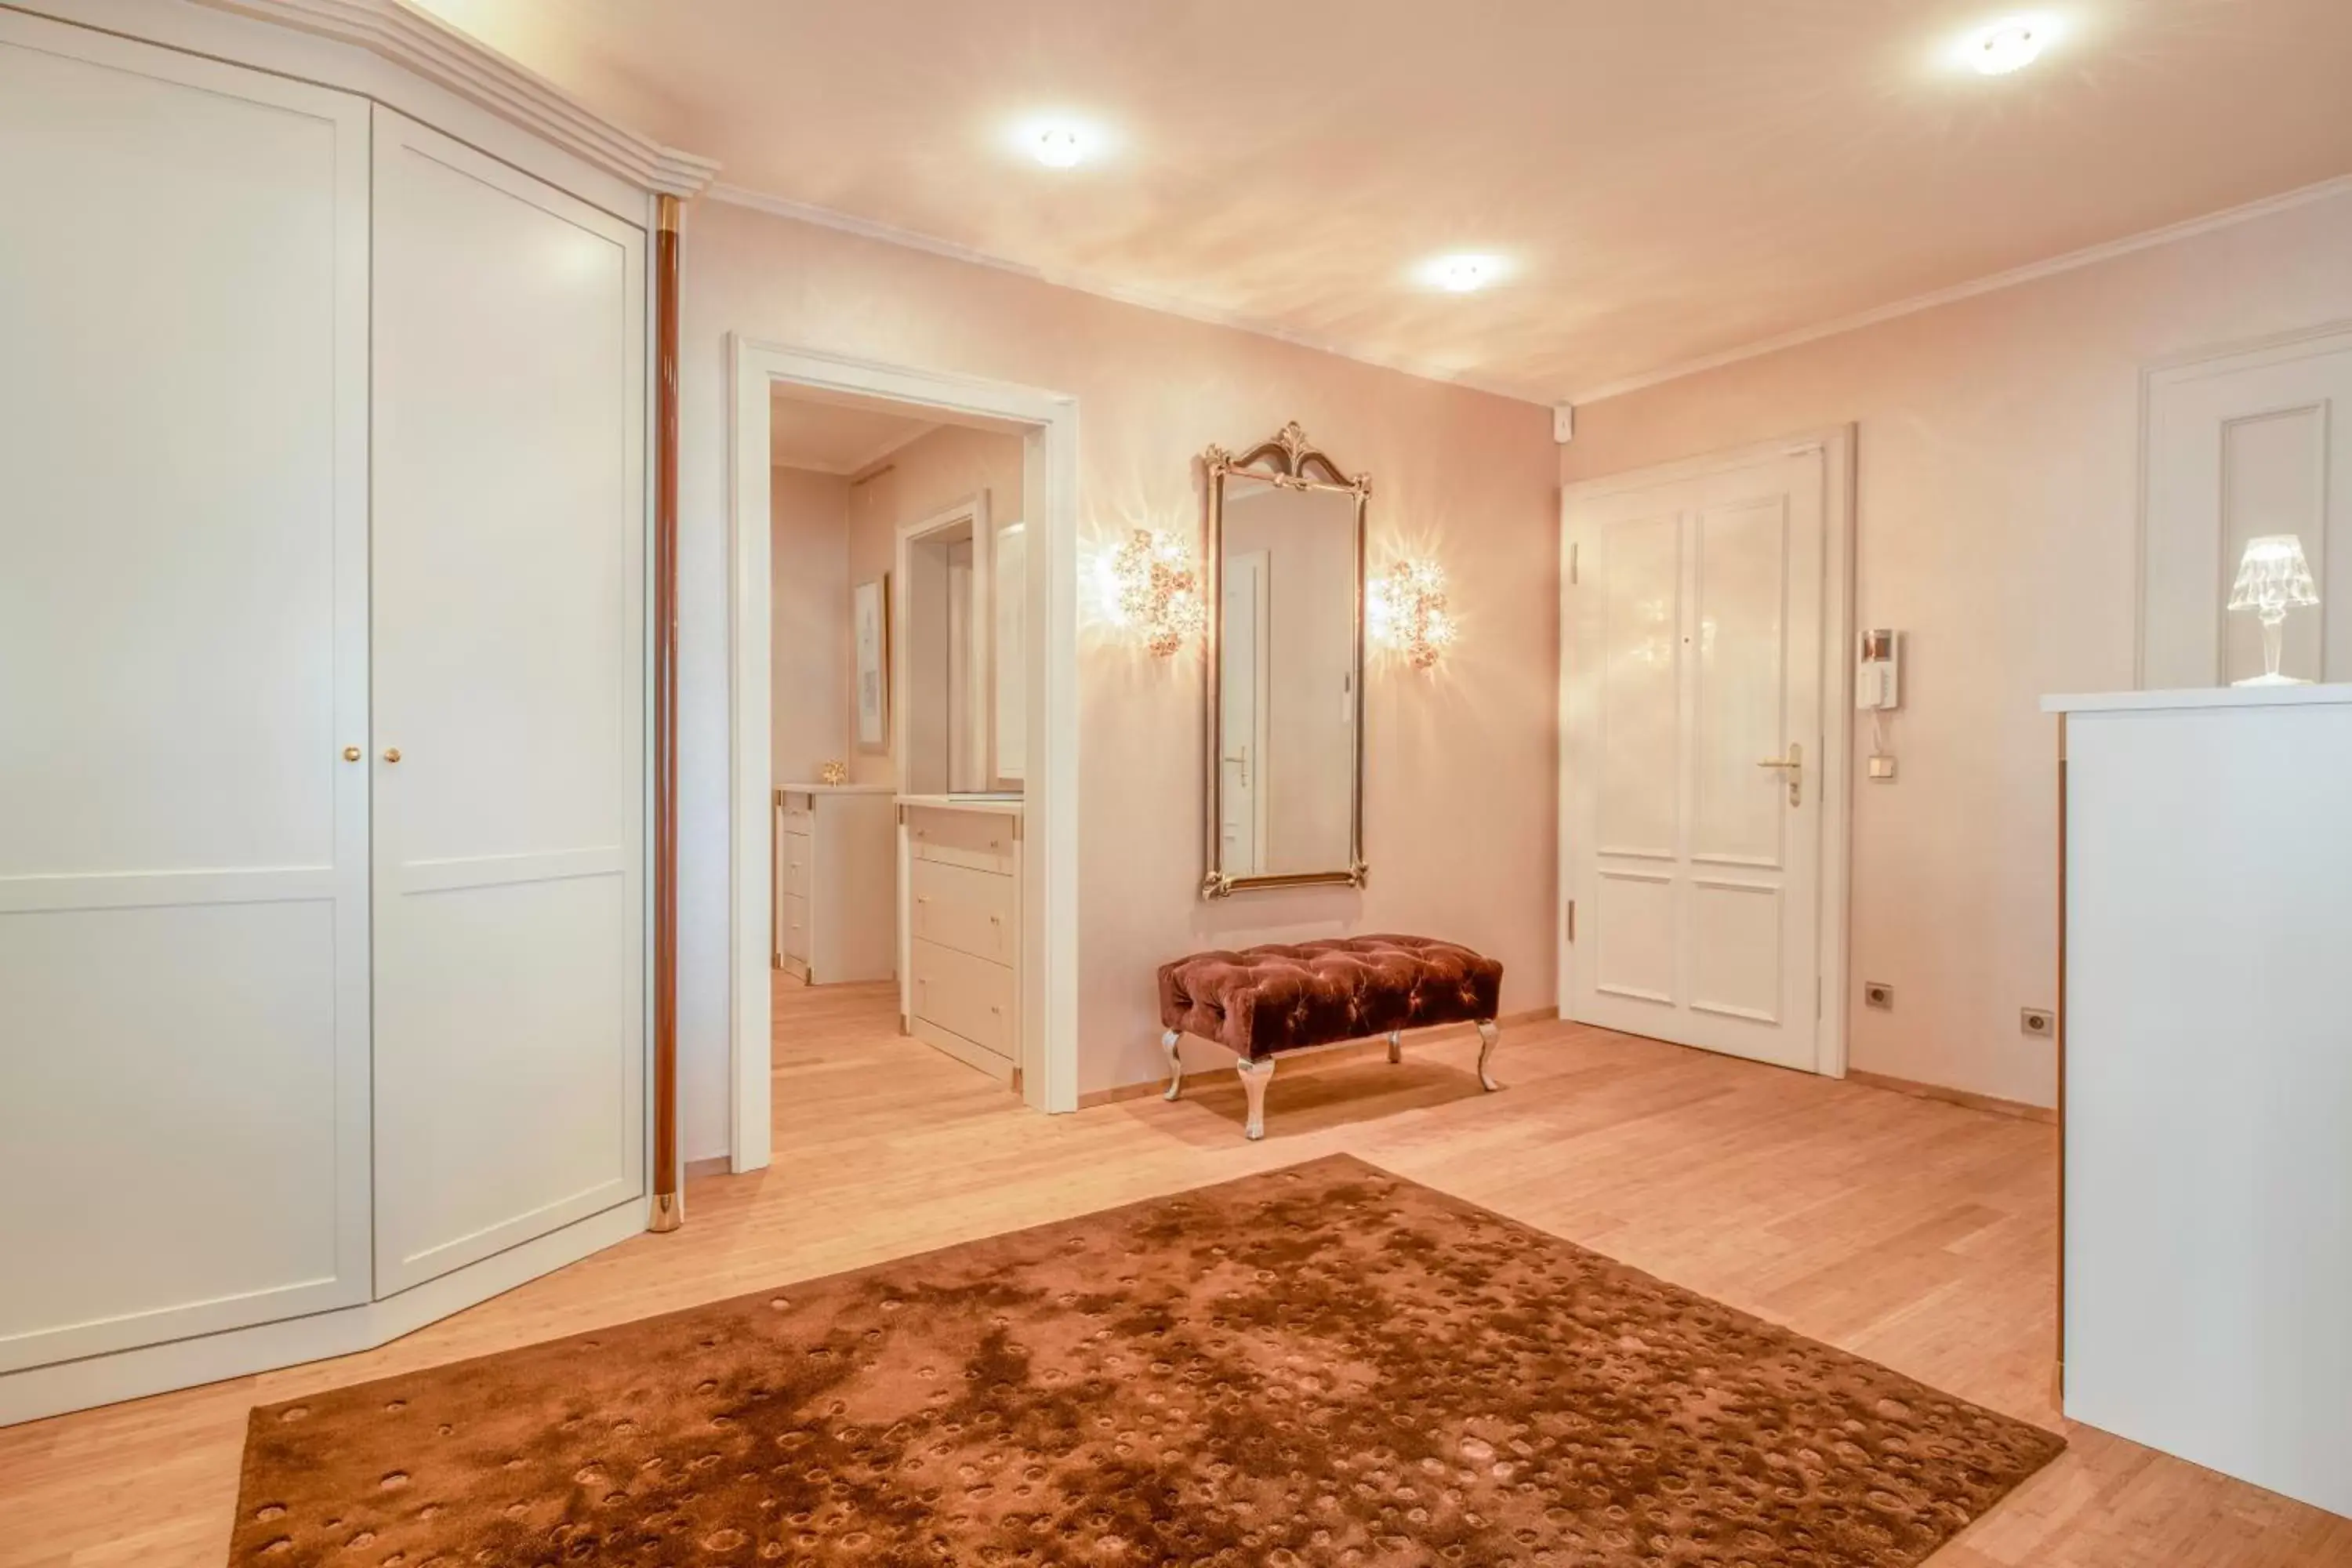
[1878,675]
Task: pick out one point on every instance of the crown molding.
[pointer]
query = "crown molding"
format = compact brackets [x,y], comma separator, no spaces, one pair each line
[417,41]
[866,228]
[893,446]
[851,470]
[2089,256]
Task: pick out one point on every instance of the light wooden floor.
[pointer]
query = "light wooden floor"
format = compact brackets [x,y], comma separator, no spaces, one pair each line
[1914,1233]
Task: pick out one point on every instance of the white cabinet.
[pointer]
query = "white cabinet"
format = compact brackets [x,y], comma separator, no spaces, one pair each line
[183,886]
[509,580]
[323,664]
[960,881]
[833,909]
[2207,1079]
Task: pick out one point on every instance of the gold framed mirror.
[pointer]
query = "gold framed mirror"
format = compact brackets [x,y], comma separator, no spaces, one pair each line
[1284,735]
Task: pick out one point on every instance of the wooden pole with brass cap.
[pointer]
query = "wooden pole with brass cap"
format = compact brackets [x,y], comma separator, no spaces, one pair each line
[669,1209]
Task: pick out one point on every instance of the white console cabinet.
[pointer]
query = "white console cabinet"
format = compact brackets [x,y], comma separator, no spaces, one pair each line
[2206,1079]
[836,920]
[960,894]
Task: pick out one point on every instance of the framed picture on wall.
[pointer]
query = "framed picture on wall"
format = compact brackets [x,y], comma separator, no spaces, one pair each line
[869,623]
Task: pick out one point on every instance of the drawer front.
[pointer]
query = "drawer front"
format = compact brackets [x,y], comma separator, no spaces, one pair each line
[982,840]
[797,858]
[972,911]
[797,811]
[969,996]
[792,928]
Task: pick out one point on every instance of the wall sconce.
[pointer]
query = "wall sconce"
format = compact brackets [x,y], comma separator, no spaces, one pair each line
[1405,610]
[1153,589]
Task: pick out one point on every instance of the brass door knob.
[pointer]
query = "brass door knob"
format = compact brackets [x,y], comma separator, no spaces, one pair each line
[391,753]
[350,754]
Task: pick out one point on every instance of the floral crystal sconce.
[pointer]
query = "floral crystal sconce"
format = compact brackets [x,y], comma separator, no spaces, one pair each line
[1406,611]
[2274,578]
[1154,591]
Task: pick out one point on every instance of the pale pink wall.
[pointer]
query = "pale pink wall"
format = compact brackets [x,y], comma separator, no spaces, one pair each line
[1461,830]
[1999,462]
[921,479]
[808,516]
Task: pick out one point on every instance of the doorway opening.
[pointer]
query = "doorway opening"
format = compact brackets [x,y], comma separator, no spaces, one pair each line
[905,730]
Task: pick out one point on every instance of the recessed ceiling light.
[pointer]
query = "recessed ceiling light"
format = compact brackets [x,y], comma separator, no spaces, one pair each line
[1463,273]
[2008,46]
[1057,146]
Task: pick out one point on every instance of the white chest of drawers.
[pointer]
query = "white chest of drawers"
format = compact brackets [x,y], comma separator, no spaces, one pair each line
[959,891]
[834,920]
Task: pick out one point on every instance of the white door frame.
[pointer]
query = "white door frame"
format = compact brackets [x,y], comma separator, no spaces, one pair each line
[1836,446]
[978,667]
[1050,822]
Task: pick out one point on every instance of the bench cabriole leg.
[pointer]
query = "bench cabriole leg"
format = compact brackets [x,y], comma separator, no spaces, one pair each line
[1396,1045]
[1488,1033]
[1255,1076]
[1170,1042]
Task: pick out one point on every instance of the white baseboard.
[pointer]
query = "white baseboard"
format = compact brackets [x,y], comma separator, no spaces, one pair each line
[39,1391]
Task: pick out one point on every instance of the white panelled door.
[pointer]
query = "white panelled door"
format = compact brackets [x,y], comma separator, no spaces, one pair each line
[508,550]
[2237,446]
[1693,738]
[183,914]
[1241,700]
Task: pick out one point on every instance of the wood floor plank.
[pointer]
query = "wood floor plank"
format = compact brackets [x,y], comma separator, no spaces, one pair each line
[1918,1232]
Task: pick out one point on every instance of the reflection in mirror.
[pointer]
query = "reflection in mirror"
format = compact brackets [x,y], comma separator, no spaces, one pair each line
[1287,672]
[1286,703]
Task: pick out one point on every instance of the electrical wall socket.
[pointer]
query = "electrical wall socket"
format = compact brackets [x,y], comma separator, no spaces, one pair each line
[1876,994]
[2039,1022]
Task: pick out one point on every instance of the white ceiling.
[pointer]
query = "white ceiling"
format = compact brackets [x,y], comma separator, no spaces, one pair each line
[1669,179]
[834,437]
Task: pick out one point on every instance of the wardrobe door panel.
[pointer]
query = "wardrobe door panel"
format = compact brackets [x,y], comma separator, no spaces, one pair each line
[184,863]
[509,678]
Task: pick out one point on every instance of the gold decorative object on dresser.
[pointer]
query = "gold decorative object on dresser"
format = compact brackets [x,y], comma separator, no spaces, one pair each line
[833,914]
[959,903]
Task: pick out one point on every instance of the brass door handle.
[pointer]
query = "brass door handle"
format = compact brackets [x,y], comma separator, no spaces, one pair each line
[391,753]
[350,754]
[1794,764]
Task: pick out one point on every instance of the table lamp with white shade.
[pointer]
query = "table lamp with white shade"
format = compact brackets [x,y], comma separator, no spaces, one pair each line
[2273,578]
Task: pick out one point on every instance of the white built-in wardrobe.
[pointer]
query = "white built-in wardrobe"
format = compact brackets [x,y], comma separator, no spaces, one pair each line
[322,702]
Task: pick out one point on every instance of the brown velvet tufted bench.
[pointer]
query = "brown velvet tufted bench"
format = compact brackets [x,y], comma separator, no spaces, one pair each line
[1262,1002]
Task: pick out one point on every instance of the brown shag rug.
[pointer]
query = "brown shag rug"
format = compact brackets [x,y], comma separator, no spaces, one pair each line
[1326,1364]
